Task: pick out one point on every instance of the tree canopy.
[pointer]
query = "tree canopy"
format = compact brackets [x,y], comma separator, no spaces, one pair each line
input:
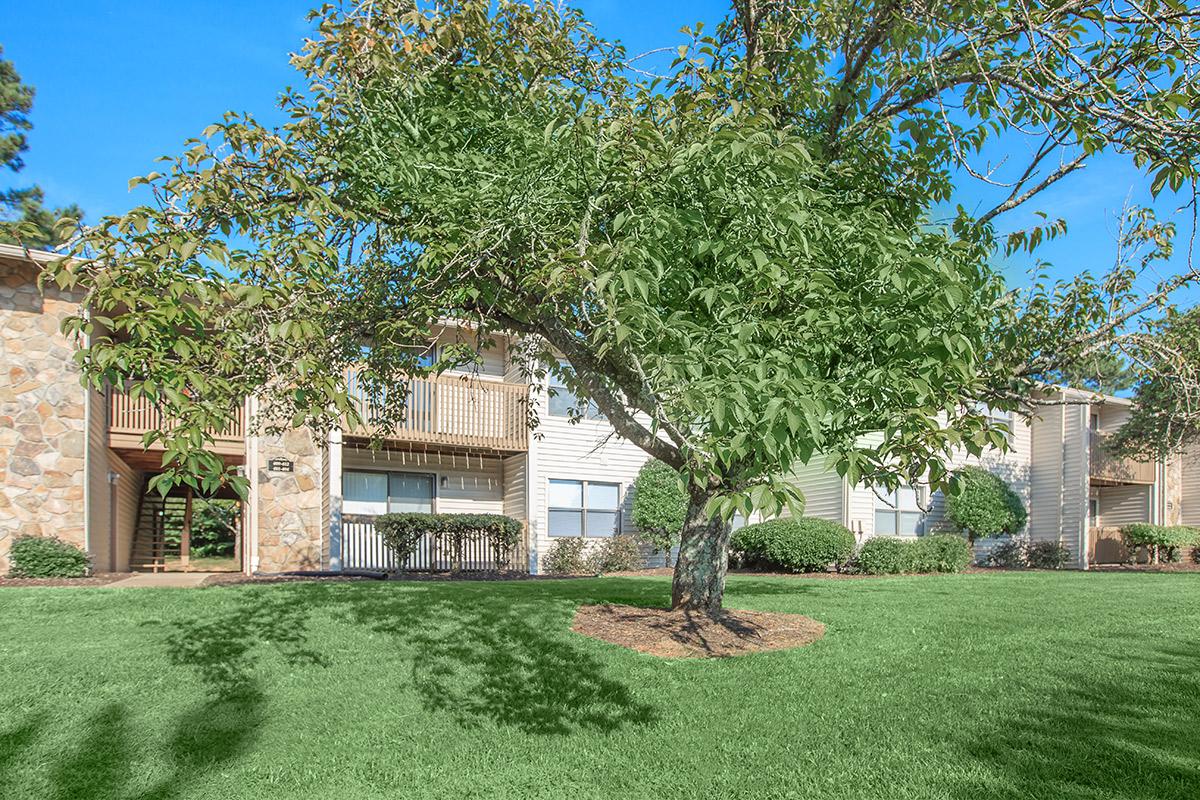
[735,253]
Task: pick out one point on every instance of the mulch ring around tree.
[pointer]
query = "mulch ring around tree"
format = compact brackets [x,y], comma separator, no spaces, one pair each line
[688,634]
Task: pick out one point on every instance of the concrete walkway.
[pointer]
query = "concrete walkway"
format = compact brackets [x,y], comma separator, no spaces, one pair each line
[175,580]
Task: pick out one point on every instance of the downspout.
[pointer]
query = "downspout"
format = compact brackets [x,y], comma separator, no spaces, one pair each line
[334,493]
[252,494]
[113,477]
[87,457]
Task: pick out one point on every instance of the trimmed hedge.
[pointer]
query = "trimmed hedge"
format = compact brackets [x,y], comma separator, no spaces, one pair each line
[985,505]
[402,532]
[659,506]
[940,552]
[565,557]
[1162,542]
[1009,554]
[803,544]
[1047,555]
[616,554]
[885,555]
[46,557]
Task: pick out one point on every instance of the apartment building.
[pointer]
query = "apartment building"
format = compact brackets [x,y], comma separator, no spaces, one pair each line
[72,464]
[1075,491]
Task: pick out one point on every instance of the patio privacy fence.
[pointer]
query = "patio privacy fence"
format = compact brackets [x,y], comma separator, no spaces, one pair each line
[363,548]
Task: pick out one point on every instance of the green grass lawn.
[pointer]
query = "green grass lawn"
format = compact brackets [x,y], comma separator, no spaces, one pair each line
[976,686]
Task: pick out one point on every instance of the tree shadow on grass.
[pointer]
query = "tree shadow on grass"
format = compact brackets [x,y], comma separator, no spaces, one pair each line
[1103,737]
[503,657]
[100,762]
[481,653]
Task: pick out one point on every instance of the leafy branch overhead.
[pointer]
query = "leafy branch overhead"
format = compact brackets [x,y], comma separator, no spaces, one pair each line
[735,253]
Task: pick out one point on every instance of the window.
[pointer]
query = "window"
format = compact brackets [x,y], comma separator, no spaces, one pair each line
[386,492]
[898,513]
[1001,420]
[563,402]
[584,508]
[1093,512]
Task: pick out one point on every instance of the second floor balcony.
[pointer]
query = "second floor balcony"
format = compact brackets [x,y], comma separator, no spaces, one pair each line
[1105,467]
[453,411]
[130,419]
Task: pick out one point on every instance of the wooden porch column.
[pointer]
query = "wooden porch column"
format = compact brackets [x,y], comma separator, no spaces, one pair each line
[185,538]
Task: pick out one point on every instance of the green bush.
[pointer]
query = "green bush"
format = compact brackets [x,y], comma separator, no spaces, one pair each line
[46,557]
[402,532]
[565,557]
[984,505]
[659,506]
[1162,542]
[1009,554]
[941,552]
[616,554]
[885,555]
[803,544]
[1047,555]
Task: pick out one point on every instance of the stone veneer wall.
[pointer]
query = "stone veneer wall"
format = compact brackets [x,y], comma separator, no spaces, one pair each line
[42,426]
[290,503]
[1173,492]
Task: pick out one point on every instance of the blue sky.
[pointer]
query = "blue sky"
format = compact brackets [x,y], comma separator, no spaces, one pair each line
[121,83]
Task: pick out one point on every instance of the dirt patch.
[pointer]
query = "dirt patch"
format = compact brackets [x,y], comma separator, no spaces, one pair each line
[92,580]
[684,634]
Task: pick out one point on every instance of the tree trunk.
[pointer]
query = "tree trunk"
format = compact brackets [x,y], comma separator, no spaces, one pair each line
[699,583]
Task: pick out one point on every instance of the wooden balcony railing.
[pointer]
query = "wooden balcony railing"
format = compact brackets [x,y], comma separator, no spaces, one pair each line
[455,411]
[129,420]
[1106,467]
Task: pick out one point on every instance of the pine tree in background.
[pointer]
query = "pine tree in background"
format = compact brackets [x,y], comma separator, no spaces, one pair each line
[24,217]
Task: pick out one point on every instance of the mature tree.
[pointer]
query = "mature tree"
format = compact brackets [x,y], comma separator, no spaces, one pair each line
[24,218]
[736,257]
[1165,420]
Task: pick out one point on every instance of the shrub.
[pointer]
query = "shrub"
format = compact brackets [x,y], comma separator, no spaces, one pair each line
[984,505]
[659,506]
[941,552]
[885,555]
[1009,554]
[803,544]
[1162,542]
[402,532]
[46,557]
[1047,555]
[616,554]
[565,557]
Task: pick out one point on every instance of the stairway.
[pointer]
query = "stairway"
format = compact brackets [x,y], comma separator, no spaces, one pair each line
[158,518]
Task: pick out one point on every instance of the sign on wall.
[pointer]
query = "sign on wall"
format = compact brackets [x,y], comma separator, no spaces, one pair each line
[280,465]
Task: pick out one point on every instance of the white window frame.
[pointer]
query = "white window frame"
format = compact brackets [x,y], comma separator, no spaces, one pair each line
[587,408]
[996,418]
[889,503]
[434,481]
[583,509]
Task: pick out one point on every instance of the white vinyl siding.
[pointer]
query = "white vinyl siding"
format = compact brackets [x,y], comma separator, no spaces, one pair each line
[823,490]
[1123,505]
[1189,501]
[586,450]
